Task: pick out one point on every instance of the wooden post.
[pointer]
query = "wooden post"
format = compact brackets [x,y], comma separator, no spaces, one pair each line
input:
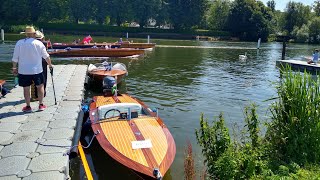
[283,49]
[2,35]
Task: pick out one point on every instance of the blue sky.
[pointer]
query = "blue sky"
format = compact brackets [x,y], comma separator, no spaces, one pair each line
[281,4]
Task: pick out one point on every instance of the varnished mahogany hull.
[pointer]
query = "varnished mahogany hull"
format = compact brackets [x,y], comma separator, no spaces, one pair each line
[138,45]
[114,140]
[96,52]
[98,75]
[113,45]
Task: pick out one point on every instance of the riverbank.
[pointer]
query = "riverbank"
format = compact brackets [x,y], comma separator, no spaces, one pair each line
[120,31]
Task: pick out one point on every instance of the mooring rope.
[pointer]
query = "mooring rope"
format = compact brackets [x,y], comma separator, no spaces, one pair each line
[68,153]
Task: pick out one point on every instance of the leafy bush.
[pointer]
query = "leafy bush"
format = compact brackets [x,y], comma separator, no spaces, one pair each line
[290,148]
[294,131]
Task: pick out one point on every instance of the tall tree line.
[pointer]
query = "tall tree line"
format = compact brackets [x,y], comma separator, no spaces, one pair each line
[179,13]
[246,19]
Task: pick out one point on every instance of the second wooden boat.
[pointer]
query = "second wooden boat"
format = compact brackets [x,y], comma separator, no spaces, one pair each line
[136,45]
[132,134]
[98,71]
[96,52]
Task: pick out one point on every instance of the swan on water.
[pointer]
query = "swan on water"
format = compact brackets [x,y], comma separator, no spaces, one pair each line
[243,57]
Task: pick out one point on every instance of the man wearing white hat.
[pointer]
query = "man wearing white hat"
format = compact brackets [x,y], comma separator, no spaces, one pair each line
[28,54]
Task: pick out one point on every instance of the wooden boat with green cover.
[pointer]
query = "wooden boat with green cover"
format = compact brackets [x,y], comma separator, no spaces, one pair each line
[132,134]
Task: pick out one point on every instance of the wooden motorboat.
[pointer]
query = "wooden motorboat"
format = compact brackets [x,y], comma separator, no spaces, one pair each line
[100,70]
[79,45]
[132,134]
[127,44]
[96,52]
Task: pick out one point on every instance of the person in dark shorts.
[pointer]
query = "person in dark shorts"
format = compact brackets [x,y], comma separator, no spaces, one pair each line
[27,56]
[40,36]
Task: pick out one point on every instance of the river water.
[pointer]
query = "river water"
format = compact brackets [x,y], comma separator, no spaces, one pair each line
[186,78]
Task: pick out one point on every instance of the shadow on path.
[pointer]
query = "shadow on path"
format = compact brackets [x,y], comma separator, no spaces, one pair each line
[11,103]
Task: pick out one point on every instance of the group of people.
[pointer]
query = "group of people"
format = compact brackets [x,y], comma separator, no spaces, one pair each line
[29,62]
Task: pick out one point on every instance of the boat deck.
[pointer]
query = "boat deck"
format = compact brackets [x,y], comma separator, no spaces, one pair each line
[34,145]
[299,65]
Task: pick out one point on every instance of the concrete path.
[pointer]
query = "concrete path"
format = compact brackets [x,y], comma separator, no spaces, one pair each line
[299,65]
[33,145]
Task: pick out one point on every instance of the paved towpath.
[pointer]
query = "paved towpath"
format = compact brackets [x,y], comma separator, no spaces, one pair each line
[33,145]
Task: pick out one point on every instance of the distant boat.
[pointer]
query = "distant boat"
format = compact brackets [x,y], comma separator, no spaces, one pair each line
[96,52]
[124,44]
[243,57]
[132,134]
[100,70]
[127,44]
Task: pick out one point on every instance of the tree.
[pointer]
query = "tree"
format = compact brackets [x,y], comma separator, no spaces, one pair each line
[120,11]
[34,9]
[163,13]
[272,5]
[145,10]
[197,11]
[296,14]
[186,13]
[314,30]
[249,20]
[16,10]
[301,34]
[218,14]
[80,9]
[52,10]
[100,10]
[316,7]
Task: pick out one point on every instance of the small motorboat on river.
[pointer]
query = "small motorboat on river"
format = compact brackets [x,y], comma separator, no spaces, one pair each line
[96,52]
[97,72]
[127,44]
[132,134]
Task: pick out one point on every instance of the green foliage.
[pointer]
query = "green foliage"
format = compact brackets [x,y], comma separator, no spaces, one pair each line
[145,10]
[249,20]
[186,13]
[295,127]
[290,149]
[226,160]
[218,14]
[214,141]
[296,14]
[301,34]
[314,30]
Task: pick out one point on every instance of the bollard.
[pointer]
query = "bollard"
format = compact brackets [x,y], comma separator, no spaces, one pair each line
[148,39]
[259,41]
[2,35]
[42,30]
[127,36]
[283,49]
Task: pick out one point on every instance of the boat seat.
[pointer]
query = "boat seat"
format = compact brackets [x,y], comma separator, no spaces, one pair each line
[135,108]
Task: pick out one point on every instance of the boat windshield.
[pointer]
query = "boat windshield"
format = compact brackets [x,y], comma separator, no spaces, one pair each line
[120,111]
